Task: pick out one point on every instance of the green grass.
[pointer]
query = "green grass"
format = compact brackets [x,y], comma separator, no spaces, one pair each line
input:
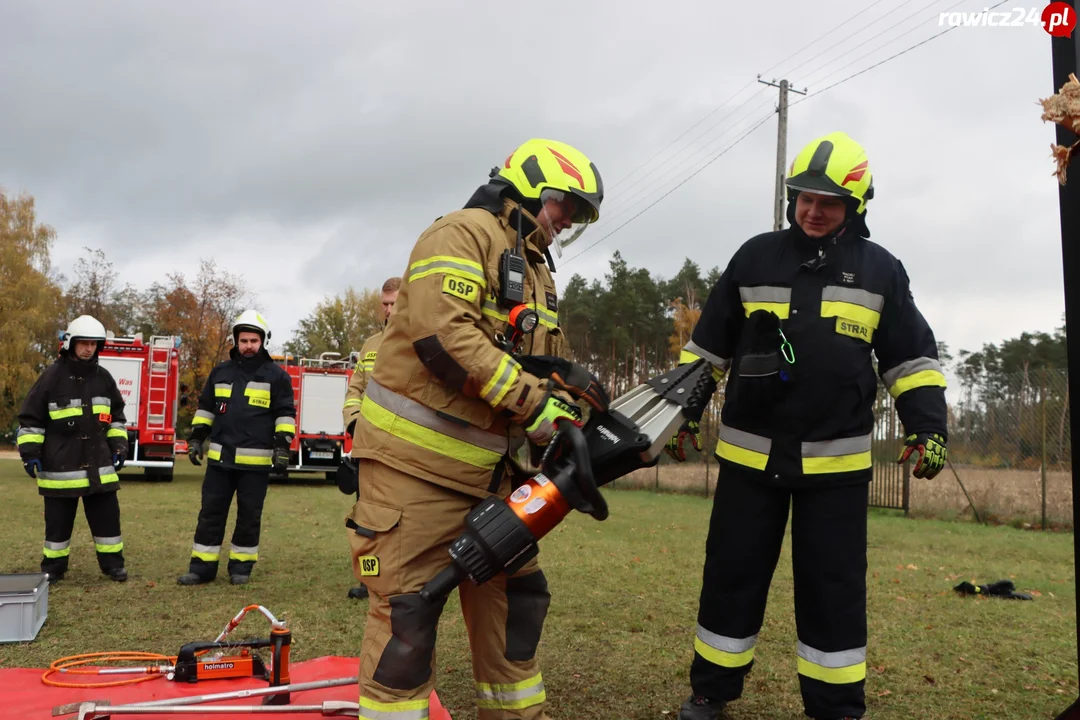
[618,640]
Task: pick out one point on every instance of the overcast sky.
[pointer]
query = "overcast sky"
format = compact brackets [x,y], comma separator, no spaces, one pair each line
[304,146]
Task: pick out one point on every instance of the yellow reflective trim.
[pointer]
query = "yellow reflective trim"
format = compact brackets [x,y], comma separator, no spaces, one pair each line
[491,311]
[110,478]
[536,699]
[109,548]
[56,553]
[30,439]
[352,401]
[244,557]
[924,378]
[837,463]
[780,309]
[101,409]
[205,556]
[833,676]
[426,438]
[497,382]
[851,311]
[201,421]
[686,357]
[742,456]
[252,460]
[285,428]
[223,392]
[255,393]
[496,703]
[721,658]
[65,413]
[448,265]
[116,433]
[63,484]
[398,706]
[213,454]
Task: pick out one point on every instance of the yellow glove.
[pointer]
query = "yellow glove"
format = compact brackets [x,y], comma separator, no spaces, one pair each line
[540,426]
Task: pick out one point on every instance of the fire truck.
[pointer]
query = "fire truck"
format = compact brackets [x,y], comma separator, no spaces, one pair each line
[148,375]
[319,386]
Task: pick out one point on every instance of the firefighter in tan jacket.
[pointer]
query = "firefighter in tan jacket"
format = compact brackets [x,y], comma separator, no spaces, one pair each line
[358,382]
[442,411]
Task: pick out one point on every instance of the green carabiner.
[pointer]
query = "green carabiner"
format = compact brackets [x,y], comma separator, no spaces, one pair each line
[786,349]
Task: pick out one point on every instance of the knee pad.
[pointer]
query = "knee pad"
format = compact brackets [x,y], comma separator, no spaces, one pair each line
[406,660]
[527,600]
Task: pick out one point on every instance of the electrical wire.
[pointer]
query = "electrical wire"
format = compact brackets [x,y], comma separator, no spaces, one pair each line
[681,183]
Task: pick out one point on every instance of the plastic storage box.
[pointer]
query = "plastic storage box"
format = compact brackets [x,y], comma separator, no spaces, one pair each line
[24,604]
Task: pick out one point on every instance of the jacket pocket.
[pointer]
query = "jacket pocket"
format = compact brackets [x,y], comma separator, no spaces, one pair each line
[375,540]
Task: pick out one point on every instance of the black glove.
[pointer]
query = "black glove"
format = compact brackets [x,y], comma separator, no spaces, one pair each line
[1001,588]
[349,430]
[932,454]
[348,481]
[118,460]
[195,451]
[32,466]
[579,383]
[281,458]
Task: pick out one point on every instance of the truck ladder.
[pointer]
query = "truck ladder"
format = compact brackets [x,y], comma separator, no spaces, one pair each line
[158,393]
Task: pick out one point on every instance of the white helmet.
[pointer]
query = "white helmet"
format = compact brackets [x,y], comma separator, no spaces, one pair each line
[84,327]
[251,320]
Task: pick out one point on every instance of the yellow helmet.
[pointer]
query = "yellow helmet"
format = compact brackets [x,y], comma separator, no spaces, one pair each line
[544,170]
[833,165]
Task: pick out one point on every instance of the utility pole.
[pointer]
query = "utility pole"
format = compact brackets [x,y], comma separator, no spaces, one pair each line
[781,149]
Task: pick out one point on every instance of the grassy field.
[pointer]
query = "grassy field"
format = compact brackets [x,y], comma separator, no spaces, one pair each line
[618,639]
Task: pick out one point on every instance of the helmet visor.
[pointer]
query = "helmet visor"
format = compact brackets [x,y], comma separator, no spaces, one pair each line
[564,217]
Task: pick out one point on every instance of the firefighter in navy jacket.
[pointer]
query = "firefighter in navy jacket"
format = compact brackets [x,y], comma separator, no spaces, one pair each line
[72,440]
[244,426]
[793,322]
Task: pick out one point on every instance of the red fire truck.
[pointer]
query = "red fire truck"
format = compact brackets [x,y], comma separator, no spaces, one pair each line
[148,375]
[319,387]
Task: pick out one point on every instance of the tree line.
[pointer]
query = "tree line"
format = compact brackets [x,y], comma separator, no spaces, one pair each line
[627,327]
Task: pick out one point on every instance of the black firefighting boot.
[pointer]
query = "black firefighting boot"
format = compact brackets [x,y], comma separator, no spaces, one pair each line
[697,707]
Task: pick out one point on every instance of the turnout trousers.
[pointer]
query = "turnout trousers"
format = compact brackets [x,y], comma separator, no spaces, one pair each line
[219,486]
[828,555]
[102,512]
[399,532]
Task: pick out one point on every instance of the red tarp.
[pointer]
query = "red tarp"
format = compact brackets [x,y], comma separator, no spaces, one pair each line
[24,696]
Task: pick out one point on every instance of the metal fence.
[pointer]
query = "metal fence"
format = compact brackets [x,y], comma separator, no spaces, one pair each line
[1009,450]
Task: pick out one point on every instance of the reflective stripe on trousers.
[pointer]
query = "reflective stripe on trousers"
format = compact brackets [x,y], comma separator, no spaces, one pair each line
[836,668]
[724,651]
[402,710]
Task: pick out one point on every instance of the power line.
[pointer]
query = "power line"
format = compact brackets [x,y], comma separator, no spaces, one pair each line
[885,44]
[821,37]
[623,204]
[891,57]
[707,116]
[633,172]
[679,185]
[872,22]
[626,198]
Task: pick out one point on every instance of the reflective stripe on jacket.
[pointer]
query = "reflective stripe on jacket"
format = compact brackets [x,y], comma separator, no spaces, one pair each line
[838,309]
